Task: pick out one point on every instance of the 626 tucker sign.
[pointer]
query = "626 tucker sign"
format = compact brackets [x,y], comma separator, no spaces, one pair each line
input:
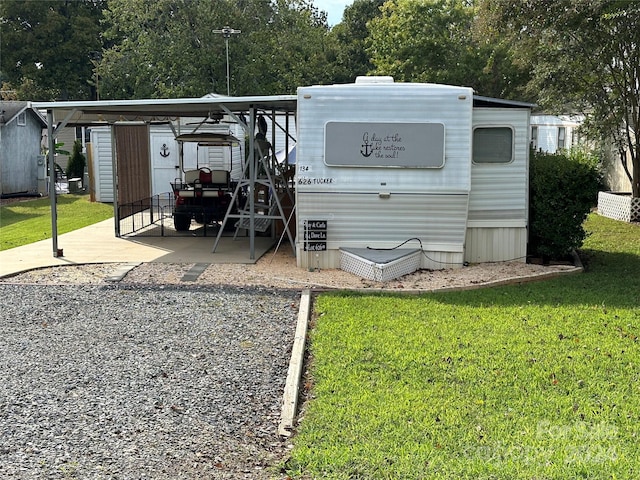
[315,235]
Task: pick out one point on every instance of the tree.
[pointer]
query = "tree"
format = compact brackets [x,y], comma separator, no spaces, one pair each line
[77,161]
[164,48]
[435,41]
[351,37]
[46,47]
[585,56]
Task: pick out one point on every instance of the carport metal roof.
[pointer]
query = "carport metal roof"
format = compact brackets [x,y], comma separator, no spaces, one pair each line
[160,110]
[87,113]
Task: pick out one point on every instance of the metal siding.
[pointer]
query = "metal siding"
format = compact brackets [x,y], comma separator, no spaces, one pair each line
[499,191]
[386,103]
[365,220]
[429,204]
[102,168]
[498,203]
[19,155]
[236,154]
[496,245]
[216,158]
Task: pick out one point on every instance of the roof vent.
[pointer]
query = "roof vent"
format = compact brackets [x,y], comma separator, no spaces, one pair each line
[374,79]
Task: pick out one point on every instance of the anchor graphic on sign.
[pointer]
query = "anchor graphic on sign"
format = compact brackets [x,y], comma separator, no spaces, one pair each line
[367,149]
[164,151]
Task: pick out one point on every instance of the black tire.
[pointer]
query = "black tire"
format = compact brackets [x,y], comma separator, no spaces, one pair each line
[181,221]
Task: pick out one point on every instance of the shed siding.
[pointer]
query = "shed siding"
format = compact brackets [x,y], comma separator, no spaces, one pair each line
[19,155]
[102,164]
[163,168]
[66,136]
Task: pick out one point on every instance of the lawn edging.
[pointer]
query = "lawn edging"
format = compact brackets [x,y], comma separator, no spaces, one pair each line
[294,374]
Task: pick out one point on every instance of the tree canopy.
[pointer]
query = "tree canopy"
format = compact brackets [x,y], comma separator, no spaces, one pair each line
[566,55]
[352,37]
[434,41]
[584,56]
[165,48]
[46,48]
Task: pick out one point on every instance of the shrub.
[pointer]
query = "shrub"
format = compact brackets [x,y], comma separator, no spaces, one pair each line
[562,190]
[77,161]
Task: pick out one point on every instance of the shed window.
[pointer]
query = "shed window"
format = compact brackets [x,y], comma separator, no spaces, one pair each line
[492,145]
[22,119]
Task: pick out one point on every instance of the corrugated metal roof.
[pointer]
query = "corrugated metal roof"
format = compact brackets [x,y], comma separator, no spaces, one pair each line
[161,110]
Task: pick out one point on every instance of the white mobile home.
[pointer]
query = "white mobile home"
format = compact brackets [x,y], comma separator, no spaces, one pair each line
[551,133]
[382,165]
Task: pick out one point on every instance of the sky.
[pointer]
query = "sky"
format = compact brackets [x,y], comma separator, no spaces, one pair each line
[334,9]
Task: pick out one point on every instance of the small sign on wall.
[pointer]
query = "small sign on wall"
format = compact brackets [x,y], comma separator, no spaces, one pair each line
[315,235]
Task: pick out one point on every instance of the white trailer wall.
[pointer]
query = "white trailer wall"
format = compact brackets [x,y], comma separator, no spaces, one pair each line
[380,205]
[498,203]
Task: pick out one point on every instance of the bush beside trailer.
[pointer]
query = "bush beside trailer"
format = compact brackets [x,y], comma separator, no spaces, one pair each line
[383,164]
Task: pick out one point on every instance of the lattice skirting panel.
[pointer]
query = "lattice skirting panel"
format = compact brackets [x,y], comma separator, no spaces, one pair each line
[379,266]
[619,206]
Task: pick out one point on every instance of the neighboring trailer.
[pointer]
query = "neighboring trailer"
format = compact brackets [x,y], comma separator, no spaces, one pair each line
[382,165]
[552,133]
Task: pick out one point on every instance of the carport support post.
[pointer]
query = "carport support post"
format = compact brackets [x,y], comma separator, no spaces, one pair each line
[52,183]
[252,182]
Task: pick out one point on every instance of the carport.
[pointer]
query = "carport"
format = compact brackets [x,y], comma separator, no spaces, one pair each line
[243,110]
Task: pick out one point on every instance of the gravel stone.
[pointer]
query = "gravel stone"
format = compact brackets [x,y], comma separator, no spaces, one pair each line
[142,381]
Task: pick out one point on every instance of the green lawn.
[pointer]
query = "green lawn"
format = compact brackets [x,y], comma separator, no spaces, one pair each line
[537,381]
[29,221]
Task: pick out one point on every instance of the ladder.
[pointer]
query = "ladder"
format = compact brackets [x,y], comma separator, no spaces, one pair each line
[257,214]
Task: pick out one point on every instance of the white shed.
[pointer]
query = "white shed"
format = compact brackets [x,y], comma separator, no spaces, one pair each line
[164,161]
[382,165]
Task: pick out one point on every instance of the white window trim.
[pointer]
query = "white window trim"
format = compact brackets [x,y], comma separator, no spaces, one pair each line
[22,118]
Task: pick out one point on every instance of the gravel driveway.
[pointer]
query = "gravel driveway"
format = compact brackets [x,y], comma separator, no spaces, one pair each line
[135,382]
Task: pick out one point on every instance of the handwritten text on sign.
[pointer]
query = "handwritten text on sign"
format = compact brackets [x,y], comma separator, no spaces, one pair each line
[371,144]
